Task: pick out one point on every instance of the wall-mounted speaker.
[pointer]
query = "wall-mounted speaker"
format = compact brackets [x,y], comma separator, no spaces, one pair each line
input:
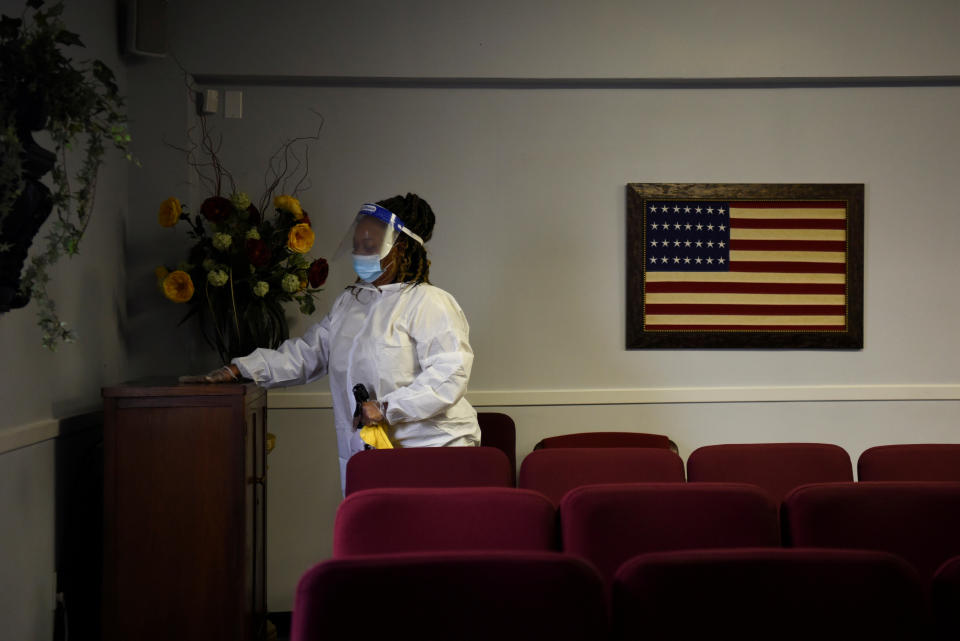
[145,27]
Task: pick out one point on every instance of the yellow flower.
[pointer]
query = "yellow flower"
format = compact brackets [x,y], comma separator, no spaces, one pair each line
[288,203]
[161,273]
[169,213]
[300,239]
[178,286]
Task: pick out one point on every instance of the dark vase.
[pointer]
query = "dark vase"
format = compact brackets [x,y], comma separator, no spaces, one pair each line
[257,323]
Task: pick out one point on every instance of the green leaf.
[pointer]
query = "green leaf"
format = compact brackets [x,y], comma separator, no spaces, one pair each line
[103,73]
[9,27]
[69,39]
[307,305]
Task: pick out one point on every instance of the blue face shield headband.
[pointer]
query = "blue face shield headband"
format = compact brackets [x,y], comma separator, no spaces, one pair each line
[389,219]
[371,237]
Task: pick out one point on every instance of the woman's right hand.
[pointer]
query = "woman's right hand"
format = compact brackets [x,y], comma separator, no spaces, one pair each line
[226,374]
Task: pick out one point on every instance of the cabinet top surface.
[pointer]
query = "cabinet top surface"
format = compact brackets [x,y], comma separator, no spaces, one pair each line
[168,386]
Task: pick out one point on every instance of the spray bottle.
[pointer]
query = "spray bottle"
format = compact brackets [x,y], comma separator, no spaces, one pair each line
[374,436]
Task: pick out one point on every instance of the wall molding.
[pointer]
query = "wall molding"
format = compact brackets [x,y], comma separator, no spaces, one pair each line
[288,399]
[468,82]
[18,436]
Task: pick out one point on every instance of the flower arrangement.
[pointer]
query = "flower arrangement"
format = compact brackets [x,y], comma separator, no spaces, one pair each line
[242,268]
[245,263]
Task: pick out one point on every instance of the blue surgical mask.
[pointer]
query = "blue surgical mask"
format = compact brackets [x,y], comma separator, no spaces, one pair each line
[367,267]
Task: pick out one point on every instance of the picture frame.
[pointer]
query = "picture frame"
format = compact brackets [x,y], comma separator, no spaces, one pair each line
[785,265]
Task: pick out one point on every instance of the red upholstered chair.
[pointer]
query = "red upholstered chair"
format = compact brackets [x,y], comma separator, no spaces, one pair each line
[428,467]
[946,599]
[776,467]
[554,472]
[609,524]
[387,521]
[469,595]
[929,462]
[499,431]
[919,521]
[754,594]
[607,439]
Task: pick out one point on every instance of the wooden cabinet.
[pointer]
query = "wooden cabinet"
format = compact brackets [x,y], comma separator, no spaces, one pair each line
[184,512]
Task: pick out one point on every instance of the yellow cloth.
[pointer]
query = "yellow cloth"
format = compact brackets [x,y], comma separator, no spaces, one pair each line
[376,437]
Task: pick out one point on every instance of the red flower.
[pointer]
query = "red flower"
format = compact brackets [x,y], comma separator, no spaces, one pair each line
[306,219]
[216,209]
[258,252]
[317,275]
[253,215]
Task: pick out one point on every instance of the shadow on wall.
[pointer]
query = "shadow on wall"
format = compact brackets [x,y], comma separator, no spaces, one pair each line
[79,527]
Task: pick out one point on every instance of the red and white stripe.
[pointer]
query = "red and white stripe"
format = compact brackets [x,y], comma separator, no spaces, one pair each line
[787,272]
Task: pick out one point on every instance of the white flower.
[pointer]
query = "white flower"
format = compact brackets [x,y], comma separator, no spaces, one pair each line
[290,283]
[240,200]
[222,241]
[217,277]
[253,234]
[261,288]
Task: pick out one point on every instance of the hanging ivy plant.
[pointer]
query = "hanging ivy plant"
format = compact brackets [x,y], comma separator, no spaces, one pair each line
[77,103]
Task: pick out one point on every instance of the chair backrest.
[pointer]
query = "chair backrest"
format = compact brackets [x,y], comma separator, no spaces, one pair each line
[926,462]
[945,599]
[387,521]
[609,524]
[919,521]
[775,467]
[554,472]
[428,467]
[606,439]
[753,594]
[498,430]
[470,595]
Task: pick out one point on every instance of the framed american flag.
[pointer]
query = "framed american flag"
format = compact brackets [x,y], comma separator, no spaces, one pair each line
[744,265]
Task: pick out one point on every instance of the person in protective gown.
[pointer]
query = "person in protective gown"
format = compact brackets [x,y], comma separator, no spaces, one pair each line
[405,340]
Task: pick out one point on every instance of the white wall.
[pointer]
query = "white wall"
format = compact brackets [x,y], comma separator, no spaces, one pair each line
[528,185]
[87,289]
[27,580]
[39,386]
[529,191]
[569,38]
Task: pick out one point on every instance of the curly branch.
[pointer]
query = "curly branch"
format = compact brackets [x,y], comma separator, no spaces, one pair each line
[279,164]
[206,146]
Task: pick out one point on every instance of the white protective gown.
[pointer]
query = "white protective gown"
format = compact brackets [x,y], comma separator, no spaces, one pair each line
[408,345]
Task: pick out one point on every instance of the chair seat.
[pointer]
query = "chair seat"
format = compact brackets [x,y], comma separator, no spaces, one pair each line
[921,462]
[606,439]
[554,472]
[394,520]
[918,521]
[775,467]
[469,595]
[609,524]
[428,467]
[761,594]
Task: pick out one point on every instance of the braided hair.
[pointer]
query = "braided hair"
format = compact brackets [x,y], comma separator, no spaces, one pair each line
[413,266]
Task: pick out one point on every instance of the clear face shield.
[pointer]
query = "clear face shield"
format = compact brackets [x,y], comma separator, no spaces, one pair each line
[370,238]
